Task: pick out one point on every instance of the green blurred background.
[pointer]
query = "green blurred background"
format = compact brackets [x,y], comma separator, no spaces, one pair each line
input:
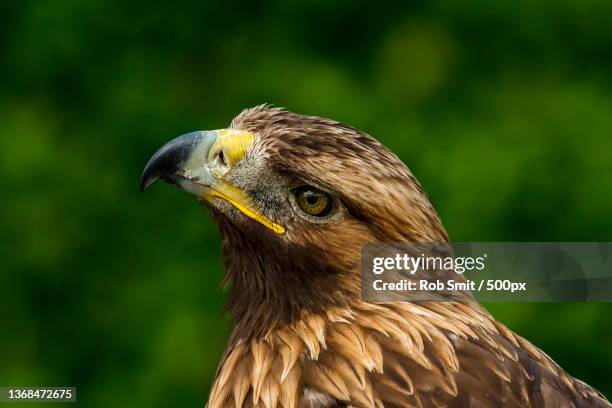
[503,110]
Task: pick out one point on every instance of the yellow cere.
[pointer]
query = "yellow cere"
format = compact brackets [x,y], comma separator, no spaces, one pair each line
[234,144]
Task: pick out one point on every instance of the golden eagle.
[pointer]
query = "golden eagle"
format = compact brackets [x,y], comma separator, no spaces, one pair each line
[295,198]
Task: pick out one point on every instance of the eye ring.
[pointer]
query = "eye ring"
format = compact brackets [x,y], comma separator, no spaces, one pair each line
[313,201]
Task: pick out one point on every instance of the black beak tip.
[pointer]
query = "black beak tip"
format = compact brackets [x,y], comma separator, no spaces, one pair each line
[167,161]
[145,182]
[149,175]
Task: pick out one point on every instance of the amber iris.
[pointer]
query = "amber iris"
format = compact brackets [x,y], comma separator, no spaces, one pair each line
[312,201]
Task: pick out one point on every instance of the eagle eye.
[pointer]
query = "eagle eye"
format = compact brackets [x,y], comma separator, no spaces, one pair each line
[312,201]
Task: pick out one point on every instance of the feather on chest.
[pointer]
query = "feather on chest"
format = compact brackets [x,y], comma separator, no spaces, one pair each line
[364,356]
[394,355]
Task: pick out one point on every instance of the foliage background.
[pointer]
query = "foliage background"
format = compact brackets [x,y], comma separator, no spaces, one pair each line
[503,110]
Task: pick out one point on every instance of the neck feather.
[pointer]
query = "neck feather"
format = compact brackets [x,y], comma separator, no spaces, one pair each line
[272,284]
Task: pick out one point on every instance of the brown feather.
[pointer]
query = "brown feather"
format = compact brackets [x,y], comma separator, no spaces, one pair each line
[260,366]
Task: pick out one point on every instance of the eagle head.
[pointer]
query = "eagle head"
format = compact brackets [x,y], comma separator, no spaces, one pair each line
[295,198]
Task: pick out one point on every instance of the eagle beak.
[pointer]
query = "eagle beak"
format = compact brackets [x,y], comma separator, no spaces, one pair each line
[170,162]
[197,163]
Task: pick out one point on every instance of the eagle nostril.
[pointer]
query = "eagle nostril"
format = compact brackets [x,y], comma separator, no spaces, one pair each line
[220,162]
[221,158]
